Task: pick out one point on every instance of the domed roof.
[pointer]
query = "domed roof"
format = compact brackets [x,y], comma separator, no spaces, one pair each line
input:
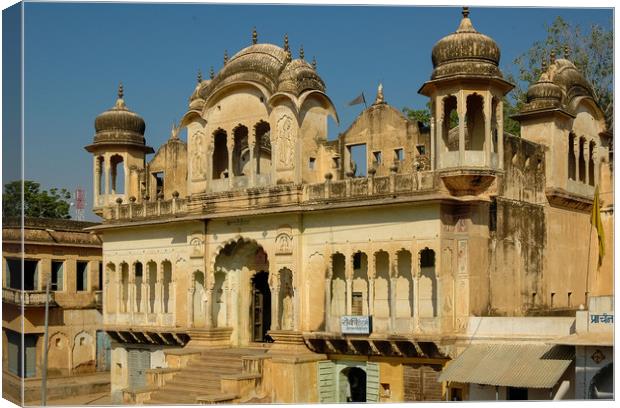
[266,64]
[119,125]
[565,74]
[558,86]
[298,76]
[259,63]
[466,52]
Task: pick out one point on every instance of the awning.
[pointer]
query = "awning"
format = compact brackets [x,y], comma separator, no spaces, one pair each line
[586,339]
[535,365]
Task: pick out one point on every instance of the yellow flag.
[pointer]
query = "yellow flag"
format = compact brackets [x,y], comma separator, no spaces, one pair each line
[595,220]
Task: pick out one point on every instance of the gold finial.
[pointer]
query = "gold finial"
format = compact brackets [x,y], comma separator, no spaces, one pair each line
[465,12]
[544,64]
[211,73]
[314,63]
[174,133]
[301,52]
[120,90]
[566,52]
[552,57]
[225,57]
[286,48]
[199,76]
[254,36]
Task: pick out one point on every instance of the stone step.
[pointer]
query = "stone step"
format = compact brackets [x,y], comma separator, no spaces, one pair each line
[192,389]
[195,381]
[165,397]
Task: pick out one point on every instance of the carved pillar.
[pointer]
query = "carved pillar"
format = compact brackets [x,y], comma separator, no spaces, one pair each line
[275,300]
[106,165]
[191,312]
[159,290]
[576,150]
[586,156]
[230,145]
[393,269]
[488,142]
[131,289]
[500,134]
[251,147]
[348,273]
[439,142]
[126,183]
[119,289]
[328,290]
[209,309]
[462,112]
[372,267]
[144,300]
[96,180]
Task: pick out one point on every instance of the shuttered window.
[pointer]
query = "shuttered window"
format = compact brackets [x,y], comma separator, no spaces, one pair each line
[327,381]
[372,382]
[138,361]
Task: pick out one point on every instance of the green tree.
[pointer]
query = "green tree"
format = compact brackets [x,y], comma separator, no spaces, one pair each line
[591,51]
[424,115]
[37,203]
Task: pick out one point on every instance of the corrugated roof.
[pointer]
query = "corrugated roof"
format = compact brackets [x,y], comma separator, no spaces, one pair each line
[510,364]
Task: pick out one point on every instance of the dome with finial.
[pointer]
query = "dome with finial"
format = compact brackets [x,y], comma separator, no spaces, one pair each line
[119,125]
[269,65]
[466,52]
[299,76]
[543,93]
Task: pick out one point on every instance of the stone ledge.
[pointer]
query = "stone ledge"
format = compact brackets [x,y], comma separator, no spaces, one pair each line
[216,398]
[242,376]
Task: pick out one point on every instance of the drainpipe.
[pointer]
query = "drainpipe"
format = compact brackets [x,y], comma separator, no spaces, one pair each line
[562,390]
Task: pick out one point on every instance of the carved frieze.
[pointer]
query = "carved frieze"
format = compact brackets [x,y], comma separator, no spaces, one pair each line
[286,142]
[198,157]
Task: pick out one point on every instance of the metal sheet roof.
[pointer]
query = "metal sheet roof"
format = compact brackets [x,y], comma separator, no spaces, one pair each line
[509,364]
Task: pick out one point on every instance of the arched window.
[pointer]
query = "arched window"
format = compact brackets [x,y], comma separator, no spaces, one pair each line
[99,168]
[381,318]
[262,153]
[474,119]
[167,283]
[220,154]
[495,113]
[241,152]
[359,298]
[591,153]
[138,286]
[582,160]
[151,268]
[449,129]
[339,286]
[428,284]
[571,157]
[117,174]
[124,287]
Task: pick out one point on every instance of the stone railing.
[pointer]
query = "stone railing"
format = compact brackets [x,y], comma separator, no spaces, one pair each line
[26,297]
[278,196]
[370,186]
[146,209]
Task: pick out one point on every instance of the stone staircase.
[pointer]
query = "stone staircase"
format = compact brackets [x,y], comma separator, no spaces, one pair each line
[200,380]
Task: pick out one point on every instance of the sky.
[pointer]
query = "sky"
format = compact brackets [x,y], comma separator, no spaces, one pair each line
[75,55]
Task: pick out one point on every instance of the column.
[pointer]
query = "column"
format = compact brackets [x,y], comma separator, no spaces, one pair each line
[500,134]
[251,147]
[586,156]
[96,180]
[275,300]
[209,309]
[191,312]
[144,301]
[328,290]
[119,288]
[372,266]
[131,289]
[488,142]
[576,150]
[106,165]
[159,293]
[348,273]
[393,268]
[126,183]
[461,110]
[439,142]
[230,145]
[416,301]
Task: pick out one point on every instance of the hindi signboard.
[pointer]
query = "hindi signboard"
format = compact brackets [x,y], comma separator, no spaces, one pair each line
[355,324]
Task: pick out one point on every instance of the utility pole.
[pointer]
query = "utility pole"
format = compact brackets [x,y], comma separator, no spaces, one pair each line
[46,332]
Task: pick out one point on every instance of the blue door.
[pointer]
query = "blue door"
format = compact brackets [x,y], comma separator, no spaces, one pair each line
[103,351]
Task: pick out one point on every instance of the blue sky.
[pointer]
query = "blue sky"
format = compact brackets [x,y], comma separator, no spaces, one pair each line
[76,54]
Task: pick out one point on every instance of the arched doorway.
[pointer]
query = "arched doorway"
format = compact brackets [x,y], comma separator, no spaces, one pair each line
[261,307]
[352,385]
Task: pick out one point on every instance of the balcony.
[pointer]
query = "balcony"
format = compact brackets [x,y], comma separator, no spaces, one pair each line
[29,298]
